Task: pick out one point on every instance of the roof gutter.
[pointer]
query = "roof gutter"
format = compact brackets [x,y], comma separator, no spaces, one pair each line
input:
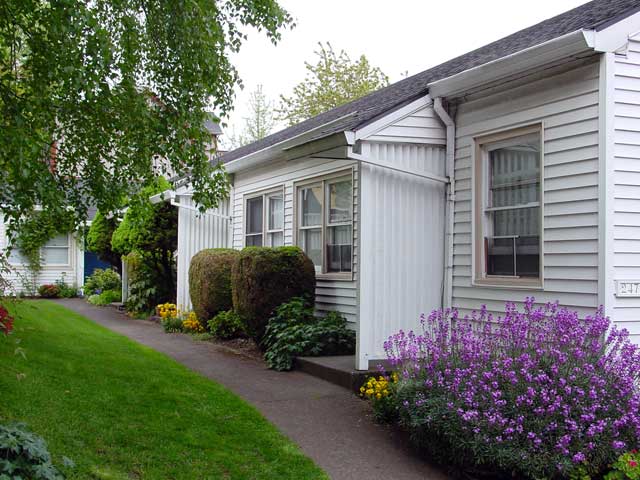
[571,44]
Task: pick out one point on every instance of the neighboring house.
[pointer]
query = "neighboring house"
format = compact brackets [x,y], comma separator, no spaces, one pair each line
[63,258]
[511,171]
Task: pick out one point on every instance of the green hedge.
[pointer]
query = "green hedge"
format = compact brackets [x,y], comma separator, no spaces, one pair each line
[210,282]
[264,278]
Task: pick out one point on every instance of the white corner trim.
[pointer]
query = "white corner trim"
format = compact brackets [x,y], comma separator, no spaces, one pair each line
[606,183]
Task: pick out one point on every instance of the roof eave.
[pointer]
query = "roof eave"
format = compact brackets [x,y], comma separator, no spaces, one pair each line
[279,150]
[566,46]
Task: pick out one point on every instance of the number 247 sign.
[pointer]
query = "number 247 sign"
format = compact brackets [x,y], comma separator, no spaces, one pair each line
[627,288]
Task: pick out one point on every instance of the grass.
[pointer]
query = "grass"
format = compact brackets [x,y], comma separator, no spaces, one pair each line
[120,410]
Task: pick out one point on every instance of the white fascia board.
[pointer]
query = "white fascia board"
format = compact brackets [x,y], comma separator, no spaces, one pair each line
[392,117]
[565,46]
[274,151]
[616,35]
[165,196]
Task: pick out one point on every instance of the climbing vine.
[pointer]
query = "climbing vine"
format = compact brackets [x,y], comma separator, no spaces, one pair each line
[36,230]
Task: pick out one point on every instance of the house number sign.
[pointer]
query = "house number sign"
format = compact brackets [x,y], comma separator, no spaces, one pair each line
[627,288]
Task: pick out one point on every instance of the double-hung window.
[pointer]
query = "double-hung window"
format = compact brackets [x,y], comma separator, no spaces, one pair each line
[325,223]
[56,251]
[53,253]
[264,223]
[508,198]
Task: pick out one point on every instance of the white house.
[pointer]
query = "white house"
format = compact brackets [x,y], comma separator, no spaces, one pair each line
[62,258]
[511,171]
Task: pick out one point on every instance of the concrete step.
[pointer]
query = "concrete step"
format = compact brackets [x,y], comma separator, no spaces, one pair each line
[340,370]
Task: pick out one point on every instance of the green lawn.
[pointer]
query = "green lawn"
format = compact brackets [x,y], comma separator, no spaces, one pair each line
[120,410]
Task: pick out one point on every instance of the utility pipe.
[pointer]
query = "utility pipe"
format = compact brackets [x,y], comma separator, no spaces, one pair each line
[451,197]
[351,155]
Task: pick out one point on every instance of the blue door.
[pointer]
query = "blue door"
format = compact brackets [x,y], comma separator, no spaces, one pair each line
[91,262]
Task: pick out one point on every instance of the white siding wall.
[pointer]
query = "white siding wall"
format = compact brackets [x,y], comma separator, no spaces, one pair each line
[402,242]
[197,232]
[72,272]
[626,164]
[338,295]
[567,106]
[422,126]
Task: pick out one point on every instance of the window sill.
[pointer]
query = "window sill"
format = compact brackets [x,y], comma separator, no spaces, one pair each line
[334,276]
[509,283]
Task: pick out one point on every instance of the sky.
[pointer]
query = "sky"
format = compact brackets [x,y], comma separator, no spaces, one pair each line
[398,36]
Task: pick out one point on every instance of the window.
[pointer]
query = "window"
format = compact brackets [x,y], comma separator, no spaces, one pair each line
[508,199]
[54,252]
[325,223]
[265,226]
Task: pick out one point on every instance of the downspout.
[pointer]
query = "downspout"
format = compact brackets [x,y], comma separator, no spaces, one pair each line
[447,299]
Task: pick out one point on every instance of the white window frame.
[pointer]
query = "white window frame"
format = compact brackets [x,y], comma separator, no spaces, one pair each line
[266,232]
[323,182]
[481,208]
[66,247]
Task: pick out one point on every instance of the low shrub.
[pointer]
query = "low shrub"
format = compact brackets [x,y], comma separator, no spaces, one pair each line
[66,290]
[191,324]
[210,281]
[172,324]
[294,332]
[227,325]
[627,467]
[24,454]
[101,280]
[380,392]
[538,393]
[49,291]
[264,278]
[105,298]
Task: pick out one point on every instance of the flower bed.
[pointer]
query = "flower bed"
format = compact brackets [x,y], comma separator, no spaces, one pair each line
[538,393]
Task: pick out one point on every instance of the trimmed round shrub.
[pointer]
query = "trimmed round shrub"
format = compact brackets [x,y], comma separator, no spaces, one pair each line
[210,281]
[264,278]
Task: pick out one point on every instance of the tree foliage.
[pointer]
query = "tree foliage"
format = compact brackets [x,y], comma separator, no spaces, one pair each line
[334,80]
[99,239]
[94,93]
[149,233]
[259,123]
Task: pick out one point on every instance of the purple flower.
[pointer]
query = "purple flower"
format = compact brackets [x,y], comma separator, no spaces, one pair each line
[538,380]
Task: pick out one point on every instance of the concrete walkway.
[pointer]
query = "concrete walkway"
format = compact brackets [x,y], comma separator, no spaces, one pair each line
[329,423]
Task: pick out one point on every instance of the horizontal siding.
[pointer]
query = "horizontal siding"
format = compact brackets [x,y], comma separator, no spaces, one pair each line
[626,201]
[402,242]
[197,232]
[331,295]
[20,274]
[567,107]
[422,126]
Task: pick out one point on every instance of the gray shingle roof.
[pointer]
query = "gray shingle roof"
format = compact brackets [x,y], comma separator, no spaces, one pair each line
[593,15]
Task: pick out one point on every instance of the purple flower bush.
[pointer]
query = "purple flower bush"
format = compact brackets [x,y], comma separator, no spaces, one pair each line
[538,393]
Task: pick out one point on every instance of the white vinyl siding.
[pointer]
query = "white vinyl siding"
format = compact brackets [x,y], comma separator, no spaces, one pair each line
[422,126]
[64,260]
[402,242]
[197,232]
[626,187]
[567,107]
[332,294]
